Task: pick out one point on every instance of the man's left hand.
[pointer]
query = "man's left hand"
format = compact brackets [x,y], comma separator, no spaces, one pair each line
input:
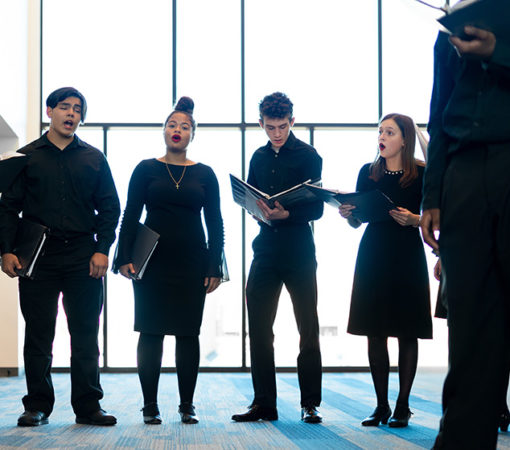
[276,213]
[98,265]
[482,46]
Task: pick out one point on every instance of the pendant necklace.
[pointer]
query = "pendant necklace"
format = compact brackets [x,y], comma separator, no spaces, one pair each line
[177,183]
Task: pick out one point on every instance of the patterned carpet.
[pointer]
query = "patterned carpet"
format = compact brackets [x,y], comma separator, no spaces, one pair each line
[347,399]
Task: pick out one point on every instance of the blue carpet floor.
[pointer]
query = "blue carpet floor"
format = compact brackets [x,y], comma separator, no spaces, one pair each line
[347,399]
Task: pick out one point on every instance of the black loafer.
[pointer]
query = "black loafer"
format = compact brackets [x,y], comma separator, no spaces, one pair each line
[188,414]
[151,415]
[309,414]
[381,414]
[400,418]
[256,412]
[32,419]
[98,417]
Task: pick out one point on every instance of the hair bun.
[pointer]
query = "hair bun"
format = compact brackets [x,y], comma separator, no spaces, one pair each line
[185,104]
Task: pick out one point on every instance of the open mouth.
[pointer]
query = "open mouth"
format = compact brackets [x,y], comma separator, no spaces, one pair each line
[176,138]
[68,123]
[381,146]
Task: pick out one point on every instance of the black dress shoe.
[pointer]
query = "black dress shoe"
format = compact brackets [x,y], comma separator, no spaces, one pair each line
[32,419]
[381,414]
[309,414]
[98,417]
[400,418]
[504,421]
[151,414]
[187,412]
[256,412]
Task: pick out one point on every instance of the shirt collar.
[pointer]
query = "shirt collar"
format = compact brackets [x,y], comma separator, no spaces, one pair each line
[44,141]
[289,143]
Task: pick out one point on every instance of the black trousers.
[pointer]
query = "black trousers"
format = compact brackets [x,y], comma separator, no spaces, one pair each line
[283,256]
[64,268]
[475,254]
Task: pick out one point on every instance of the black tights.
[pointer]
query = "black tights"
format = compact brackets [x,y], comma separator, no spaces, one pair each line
[187,359]
[380,367]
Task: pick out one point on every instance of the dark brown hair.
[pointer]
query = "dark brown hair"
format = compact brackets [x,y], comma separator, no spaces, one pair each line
[184,105]
[276,106]
[409,163]
[61,94]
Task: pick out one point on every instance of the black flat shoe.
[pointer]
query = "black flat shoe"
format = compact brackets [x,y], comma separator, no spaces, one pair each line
[504,421]
[32,419]
[381,414]
[151,414]
[99,418]
[187,412]
[400,418]
[256,412]
[309,414]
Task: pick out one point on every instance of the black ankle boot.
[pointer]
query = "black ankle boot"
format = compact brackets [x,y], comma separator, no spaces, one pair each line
[381,414]
[151,414]
[187,412]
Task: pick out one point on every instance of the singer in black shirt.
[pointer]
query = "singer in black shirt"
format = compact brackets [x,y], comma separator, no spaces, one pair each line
[284,253]
[467,198]
[68,187]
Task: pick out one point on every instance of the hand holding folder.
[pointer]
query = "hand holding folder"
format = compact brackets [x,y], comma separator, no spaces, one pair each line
[490,15]
[247,196]
[483,14]
[371,206]
[28,246]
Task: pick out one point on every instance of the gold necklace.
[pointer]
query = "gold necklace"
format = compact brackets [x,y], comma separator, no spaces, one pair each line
[172,177]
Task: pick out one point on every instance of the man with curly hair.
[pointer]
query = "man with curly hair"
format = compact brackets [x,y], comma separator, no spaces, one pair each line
[284,254]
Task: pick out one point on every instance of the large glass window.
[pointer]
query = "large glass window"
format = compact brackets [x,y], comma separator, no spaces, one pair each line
[132,63]
[117,53]
[313,53]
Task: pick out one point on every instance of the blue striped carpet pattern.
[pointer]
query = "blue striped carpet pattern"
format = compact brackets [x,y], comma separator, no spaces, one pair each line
[347,399]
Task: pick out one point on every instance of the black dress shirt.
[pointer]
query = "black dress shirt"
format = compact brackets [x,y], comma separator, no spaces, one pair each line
[295,163]
[470,105]
[71,191]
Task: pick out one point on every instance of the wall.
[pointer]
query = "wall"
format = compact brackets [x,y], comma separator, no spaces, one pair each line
[19,106]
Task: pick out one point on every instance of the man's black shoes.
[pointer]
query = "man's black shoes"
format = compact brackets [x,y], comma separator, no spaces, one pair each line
[32,419]
[309,414]
[98,417]
[256,412]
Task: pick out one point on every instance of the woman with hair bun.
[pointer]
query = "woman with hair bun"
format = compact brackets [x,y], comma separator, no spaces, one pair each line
[169,299]
[390,294]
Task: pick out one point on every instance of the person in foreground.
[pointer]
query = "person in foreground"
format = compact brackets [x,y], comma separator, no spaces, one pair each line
[284,253]
[169,299]
[467,198]
[68,187]
[390,295]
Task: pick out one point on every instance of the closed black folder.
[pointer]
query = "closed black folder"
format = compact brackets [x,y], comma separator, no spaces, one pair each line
[246,196]
[371,206]
[28,246]
[9,170]
[143,248]
[485,14]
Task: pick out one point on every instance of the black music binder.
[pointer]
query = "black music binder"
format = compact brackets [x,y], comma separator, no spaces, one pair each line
[28,246]
[485,14]
[145,243]
[371,206]
[246,196]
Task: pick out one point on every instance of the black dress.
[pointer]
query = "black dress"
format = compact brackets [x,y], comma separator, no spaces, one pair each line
[390,295]
[170,297]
